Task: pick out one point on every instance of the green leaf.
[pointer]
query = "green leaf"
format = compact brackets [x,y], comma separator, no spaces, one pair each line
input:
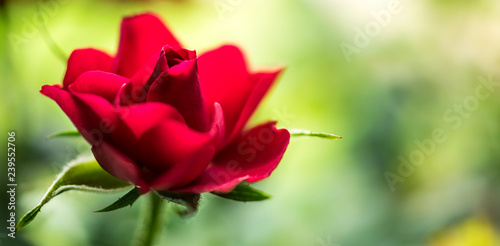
[80,174]
[188,200]
[244,193]
[304,133]
[126,200]
[63,134]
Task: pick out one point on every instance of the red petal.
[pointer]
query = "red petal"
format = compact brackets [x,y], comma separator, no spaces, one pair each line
[218,128]
[170,144]
[84,60]
[186,171]
[108,126]
[95,118]
[141,117]
[117,164]
[263,81]
[225,79]
[99,83]
[141,37]
[250,157]
[86,120]
[180,87]
[136,91]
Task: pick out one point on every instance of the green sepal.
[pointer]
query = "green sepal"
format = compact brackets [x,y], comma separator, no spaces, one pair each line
[80,174]
[189,201]
[126,200]
[244,193]
[304,133]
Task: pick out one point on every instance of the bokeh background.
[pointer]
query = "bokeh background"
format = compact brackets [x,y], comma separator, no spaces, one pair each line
[383,74]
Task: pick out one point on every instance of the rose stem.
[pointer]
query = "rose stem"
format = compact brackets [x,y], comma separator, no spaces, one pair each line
[152,221]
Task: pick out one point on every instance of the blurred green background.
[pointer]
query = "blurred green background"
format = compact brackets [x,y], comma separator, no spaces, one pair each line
[385,81]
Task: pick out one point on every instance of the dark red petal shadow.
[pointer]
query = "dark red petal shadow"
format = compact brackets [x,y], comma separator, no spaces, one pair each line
[187,170]
[137,90]
[168,144]
[117,164]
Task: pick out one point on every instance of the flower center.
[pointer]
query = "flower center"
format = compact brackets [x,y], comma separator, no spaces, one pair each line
[174,57]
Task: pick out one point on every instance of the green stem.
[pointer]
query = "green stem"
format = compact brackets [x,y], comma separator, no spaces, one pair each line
[304,133]
[152,221]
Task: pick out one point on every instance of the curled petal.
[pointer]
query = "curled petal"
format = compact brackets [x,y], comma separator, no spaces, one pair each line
[141,117]
[136,91]
[84,60]
[250,157]
[218,127]
[99,83]
[141,82]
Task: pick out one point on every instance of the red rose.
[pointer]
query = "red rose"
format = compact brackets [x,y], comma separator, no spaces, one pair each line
[159,117]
